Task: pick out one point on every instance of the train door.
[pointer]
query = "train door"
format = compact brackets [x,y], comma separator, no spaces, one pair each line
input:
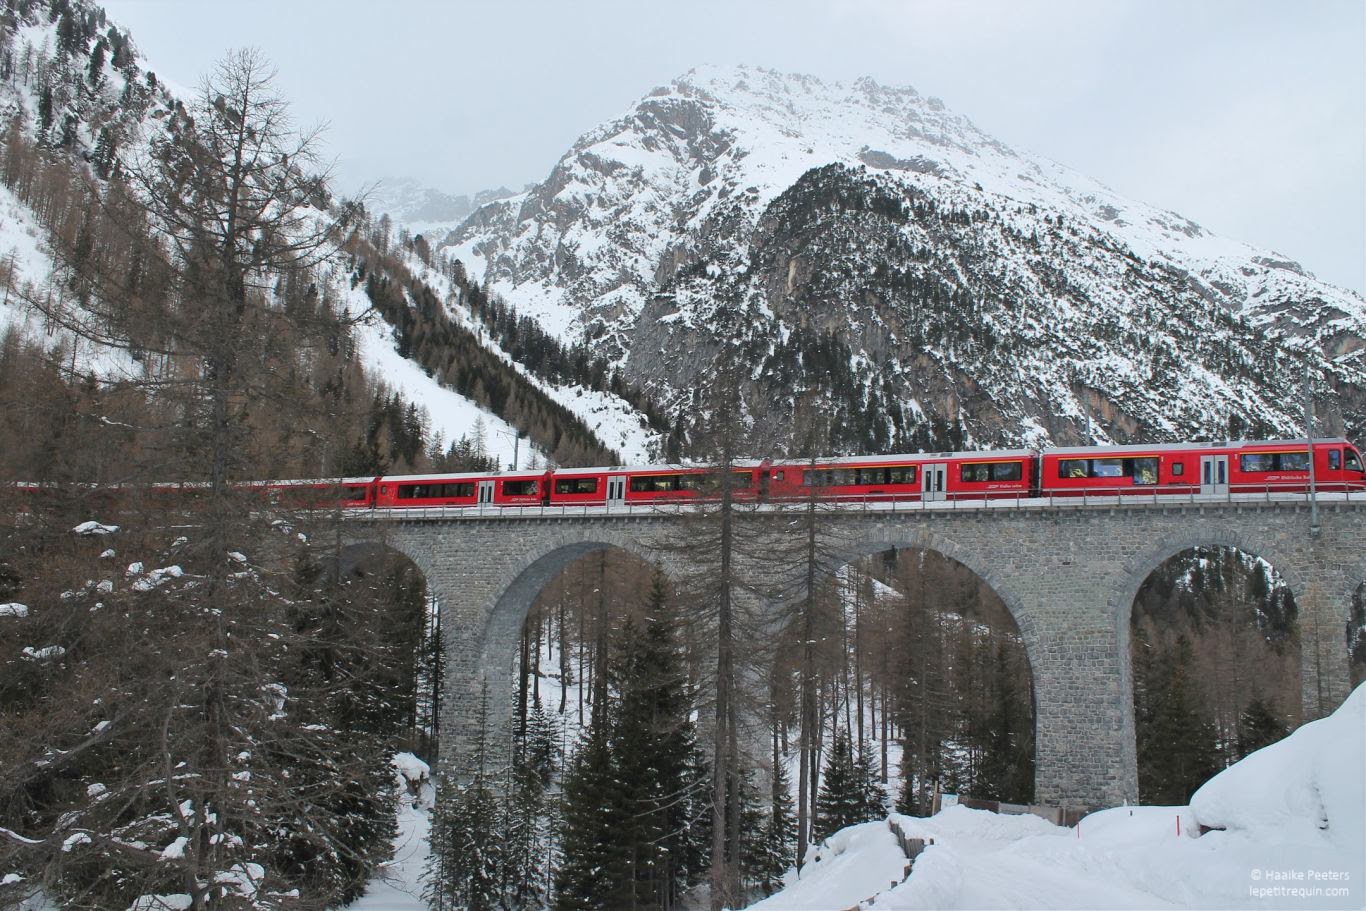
[616,489]
[485,492]
[932,481]
[1214,474]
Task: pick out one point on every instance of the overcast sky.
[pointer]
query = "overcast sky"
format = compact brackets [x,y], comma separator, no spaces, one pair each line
[1247,116]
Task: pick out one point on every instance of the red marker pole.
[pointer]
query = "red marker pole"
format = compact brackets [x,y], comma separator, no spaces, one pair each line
[1178,825]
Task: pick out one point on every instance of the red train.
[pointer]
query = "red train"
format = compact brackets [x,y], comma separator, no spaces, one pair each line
[1169,469]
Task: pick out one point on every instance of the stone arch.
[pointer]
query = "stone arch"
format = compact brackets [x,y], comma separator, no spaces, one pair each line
[493,651]
[922,539]
[1136,570]
[355,550]
[862,545]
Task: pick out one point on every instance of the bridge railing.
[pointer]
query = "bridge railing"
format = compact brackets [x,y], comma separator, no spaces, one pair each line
[1089,497]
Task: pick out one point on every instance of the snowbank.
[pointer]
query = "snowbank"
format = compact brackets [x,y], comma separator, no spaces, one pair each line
[95,528]
[1311,779]
[1284,828]
[398,884]
[852,865]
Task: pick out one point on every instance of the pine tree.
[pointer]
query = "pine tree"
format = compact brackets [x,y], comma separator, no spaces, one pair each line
[754,852]
[1177,746]
[468,851]
[593,872]
[779,836]
[847,791]
[525,852]
[632,799]
[1006,770]
[1258,726]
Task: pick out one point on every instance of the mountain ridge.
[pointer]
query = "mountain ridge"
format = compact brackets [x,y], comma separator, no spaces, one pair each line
[672,197]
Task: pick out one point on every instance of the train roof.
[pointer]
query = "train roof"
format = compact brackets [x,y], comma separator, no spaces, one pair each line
[523,474]
[901,458]
[1133,449]
[738,465]
[314,482]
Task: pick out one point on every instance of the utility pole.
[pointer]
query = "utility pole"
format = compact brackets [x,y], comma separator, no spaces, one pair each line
[1309,439]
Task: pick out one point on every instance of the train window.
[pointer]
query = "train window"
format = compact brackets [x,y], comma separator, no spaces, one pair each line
[1107,468]
[435,491]
[1007,471]
[576,485]
[1257,461]
[1142,470]
[1178,469]
[519,488]
[355,493]
[778,475]
[659,483]
[1295,461]
[1334,459]
[1353,462]
[975,472]
[900,474]
[979,472]
[743,478]
[1072,468]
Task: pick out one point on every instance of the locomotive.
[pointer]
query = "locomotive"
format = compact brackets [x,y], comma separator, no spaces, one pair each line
[1186,469]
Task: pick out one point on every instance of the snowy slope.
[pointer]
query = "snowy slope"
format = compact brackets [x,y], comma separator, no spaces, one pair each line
[1283,829]
[123,110]
[874,212]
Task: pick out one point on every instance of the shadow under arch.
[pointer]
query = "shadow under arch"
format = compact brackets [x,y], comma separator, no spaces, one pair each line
[488,687]
[852,551]
[1140,568]
[399,588]
[1231,560]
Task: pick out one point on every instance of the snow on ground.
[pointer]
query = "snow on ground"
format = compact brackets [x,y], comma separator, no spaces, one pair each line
[450,413]
[23,254]
[1285,830]
[398,885]
[852,865]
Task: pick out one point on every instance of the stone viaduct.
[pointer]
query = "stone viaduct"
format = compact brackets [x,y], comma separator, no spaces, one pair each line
[1067,572]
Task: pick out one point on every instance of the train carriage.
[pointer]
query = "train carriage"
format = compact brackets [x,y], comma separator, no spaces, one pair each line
[678,483]
[923,476]
[584,486]
[1204,468]
[1281,466]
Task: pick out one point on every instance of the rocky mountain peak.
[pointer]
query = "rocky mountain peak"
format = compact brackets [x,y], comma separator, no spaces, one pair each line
[960,283]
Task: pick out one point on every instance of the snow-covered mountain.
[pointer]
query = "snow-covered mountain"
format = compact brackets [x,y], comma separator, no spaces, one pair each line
[864,250]
[424,209]
[80,98]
